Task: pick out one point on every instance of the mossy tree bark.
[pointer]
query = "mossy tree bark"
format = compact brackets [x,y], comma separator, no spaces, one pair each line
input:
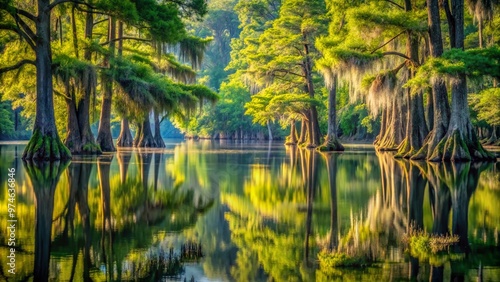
[45,143]
[44,177]
[157,137]
[104,137]
[125,139]
[331,142]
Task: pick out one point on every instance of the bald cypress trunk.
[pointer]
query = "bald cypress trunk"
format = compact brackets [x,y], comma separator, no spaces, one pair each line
[416,128]
[292,138]
[125,139]
[157,137]
[79,138]
[460,142]
[331,142]
[45,143]
[315,134]
[440,103]
[146,138]
[104,137]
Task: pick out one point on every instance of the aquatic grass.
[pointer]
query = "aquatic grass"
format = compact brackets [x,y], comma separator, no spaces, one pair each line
[434,248]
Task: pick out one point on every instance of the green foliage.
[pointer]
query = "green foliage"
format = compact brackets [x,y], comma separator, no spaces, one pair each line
[329,260]
[484,102]
[6,120]
[475,63]
[430,247]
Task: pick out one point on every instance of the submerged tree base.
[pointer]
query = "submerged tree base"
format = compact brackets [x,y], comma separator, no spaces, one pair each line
[454,148]
[405,150]
[331,146]
[45,148]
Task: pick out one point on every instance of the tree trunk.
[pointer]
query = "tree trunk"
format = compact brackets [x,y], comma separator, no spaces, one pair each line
[460,142]
[104,137]
[89,145]
[439,93]
[269,132]
[332,143]
[125,139]
[384,120]
[157,138]
[314,138]
[416,128]
[394,134]
[138,135]
[45,143]
[429,109]
[493,140]
[146,140]
[73,136]
[292,138]
[303,130]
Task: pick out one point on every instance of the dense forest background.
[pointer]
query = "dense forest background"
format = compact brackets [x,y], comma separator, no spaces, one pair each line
[418,77]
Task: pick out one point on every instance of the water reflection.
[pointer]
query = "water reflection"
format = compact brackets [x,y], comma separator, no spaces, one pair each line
[252,212]
[44,177]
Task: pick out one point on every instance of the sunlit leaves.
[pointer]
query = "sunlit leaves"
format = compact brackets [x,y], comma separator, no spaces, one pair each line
[486,104]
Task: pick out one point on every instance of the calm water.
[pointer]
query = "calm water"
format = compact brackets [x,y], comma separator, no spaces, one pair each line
[246,212]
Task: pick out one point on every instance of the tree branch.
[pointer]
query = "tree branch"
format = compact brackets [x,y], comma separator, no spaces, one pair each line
[26,29]
[126,38]
[397,54]
[286,72]
[21,33]
[26,14]
[389,41]
[395,4]
[58,2]
[16,66]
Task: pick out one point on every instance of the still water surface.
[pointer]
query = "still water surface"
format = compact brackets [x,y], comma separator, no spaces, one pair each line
[212,211]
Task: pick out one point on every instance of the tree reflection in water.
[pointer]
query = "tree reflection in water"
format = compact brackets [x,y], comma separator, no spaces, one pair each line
[44,177]
[272,215]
